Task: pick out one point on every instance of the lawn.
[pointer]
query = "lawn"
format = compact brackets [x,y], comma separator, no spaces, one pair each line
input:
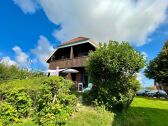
[143,112]
[89,116]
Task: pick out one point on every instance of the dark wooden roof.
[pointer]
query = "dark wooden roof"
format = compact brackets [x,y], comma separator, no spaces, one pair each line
[75,41]
[78,39]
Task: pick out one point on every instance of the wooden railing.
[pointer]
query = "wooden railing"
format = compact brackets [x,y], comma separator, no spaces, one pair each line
[67,63]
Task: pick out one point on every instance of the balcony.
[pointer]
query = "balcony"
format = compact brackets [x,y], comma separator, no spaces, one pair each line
[67,63]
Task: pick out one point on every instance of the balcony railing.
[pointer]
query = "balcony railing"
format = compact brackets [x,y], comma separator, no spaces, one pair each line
[67,63]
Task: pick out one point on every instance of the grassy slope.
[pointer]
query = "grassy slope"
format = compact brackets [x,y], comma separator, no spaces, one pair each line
[144,112]
[88,116]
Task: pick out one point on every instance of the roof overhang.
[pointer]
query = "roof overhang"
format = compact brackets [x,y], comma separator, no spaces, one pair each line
[77,43]
[69,45]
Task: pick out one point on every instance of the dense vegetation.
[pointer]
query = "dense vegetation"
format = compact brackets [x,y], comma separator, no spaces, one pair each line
[47,101]
[13,72]
[142,112]
[113,69]
[31,99]
[158,67]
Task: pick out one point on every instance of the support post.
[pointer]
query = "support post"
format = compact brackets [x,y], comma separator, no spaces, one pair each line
[71,53]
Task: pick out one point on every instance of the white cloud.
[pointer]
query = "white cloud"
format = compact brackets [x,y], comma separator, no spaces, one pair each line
[124,20]
[144,81]
[21,57]
[8,61]
[102,20]
[145,55]
[43,49]
[140,77]
[27,6]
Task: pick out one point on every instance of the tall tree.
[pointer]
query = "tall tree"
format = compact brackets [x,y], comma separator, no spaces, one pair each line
[158,67]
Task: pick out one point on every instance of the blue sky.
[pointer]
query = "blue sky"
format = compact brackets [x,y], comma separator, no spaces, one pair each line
[31,29]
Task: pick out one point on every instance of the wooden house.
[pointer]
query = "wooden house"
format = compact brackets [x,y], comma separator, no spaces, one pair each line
[73,54]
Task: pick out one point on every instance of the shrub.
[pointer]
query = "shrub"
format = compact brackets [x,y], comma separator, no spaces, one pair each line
[48,100]
[18,97]
[13,72]
[8,114]
[112,69]
[56,103]
[21,101]
[24,122]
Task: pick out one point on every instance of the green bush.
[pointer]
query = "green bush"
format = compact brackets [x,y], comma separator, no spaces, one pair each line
[112,69]
[48,100]
[20,100]
[18,97]
[8,114]
[13,72]
[56,103]
[24,122]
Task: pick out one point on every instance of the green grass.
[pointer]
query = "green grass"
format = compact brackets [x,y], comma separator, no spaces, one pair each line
[88,116]
[25,122]
[144,112]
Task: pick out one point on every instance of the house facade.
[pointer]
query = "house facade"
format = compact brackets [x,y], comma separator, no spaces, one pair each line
[73,54]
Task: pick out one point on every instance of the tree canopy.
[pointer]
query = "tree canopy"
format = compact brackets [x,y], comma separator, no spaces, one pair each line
[158,67]
[113,69]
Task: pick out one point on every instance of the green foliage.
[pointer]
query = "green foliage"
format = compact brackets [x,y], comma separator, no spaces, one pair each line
[19,96]
[48,100]
[13,72]
[24,122]
[89,116]
[26,84]
[87,98]
[56,103]
[158,67]
[8,113]
[20,100]
[112,69]
[144,112]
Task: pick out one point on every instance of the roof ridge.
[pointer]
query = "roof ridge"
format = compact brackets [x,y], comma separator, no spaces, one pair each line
[74,41]
[77,39]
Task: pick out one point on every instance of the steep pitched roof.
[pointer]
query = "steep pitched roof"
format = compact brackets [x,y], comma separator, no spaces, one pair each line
[78,39]
[75,41]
